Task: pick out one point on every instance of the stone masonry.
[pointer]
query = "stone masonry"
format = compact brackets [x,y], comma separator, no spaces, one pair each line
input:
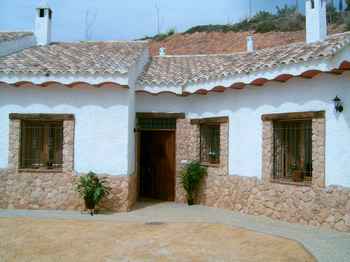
[56,189]
[315,205]
[188,148]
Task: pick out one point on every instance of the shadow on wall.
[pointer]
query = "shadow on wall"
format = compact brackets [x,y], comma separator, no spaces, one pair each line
[58,95]
[276,96]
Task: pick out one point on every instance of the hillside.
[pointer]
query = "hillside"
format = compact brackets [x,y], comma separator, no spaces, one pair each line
[229,42]
[284,26]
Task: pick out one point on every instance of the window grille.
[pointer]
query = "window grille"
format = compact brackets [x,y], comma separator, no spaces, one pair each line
[156,123]
[210,143]
[292,151]
[41,144]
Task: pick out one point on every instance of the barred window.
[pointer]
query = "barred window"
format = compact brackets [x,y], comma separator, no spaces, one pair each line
[210,143]
[292,151]
[41,144]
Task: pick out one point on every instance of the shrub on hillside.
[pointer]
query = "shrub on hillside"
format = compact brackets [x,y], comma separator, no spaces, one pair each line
[286,19]
[347,23]
[333,16]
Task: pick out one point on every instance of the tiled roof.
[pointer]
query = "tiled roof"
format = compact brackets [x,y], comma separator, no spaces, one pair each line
[8,36]
[204,43]
[187,69]
[74,58]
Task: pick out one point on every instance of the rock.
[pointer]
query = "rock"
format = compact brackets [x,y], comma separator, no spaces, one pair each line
[347,220]
[341,226]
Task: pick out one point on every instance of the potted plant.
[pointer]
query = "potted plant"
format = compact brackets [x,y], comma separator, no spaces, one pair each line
[92,189]
[191,176]
[297,174]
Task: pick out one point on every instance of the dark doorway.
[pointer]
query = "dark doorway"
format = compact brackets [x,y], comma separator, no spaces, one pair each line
[157,165]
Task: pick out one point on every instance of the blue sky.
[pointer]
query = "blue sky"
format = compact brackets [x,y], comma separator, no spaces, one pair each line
[128,19]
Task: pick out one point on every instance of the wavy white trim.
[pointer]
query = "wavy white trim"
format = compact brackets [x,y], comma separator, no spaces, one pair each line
[255,78]
[121,79]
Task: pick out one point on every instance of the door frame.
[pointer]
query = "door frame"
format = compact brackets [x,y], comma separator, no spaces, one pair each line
[139,145]
[145,115]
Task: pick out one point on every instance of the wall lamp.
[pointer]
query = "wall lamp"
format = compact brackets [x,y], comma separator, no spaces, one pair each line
[338,104]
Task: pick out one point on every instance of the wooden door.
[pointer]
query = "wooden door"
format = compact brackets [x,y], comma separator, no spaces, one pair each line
[157,165]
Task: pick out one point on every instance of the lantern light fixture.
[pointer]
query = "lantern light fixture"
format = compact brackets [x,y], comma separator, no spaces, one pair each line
[338,104]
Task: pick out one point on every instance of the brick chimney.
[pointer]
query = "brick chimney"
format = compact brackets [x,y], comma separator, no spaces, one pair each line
[316,20]
[43,24]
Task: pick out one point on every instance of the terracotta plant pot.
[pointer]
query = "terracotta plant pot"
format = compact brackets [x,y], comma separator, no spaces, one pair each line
[90,205]
[298,176]
[190,202]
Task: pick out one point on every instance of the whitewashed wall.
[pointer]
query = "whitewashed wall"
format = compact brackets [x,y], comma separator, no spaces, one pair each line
[245,108]
[133,74]
[101,122]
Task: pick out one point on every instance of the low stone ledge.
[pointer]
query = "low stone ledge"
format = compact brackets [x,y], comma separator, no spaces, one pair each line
[322,207]
[25,190]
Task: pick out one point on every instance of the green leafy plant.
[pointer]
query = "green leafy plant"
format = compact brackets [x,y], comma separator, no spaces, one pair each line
[191,176]
[347,23]
[92,189]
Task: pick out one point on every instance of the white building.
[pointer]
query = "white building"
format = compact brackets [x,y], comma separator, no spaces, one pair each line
[272,125]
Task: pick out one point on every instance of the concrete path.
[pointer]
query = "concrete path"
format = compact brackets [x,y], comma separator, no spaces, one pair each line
[325,245]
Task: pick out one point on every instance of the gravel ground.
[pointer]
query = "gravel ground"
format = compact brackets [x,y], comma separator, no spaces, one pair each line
[47,240]
[325,245]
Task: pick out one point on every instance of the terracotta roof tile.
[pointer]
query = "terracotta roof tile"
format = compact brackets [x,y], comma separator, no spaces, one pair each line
[73,58]
[8,36]
[186,69]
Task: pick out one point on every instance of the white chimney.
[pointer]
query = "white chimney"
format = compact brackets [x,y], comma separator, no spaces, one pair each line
[43,24]
[162,51]
[250,43]
[316,20]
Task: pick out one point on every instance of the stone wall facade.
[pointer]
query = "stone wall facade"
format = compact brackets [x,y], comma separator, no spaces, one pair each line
[328,207]
[314,205]
[56,190]
[39,189]
[188,149]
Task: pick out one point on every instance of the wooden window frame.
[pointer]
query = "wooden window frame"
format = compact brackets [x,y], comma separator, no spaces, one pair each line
[216,121]
[210,120]
[283,176]
[293,116]
[44,143]
[318,175]
[209,163]
[41,117]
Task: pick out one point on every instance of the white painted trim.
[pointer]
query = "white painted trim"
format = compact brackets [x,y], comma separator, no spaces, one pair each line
[322,64]
[66,79]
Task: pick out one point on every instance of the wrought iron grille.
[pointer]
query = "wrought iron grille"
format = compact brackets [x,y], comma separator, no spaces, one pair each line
[156,123]
[41,144]
[292,151]
[210,143]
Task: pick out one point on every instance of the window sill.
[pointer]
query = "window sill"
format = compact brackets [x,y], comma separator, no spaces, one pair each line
[292,183]
[210,164]
[32,170]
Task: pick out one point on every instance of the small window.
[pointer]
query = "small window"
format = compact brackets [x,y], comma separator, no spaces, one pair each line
[292,151]
[156,123]
[41,144]
[313,4]
[41,12]
[210,143]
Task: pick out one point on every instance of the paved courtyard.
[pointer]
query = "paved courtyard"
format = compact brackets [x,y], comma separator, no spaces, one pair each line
[163,232]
